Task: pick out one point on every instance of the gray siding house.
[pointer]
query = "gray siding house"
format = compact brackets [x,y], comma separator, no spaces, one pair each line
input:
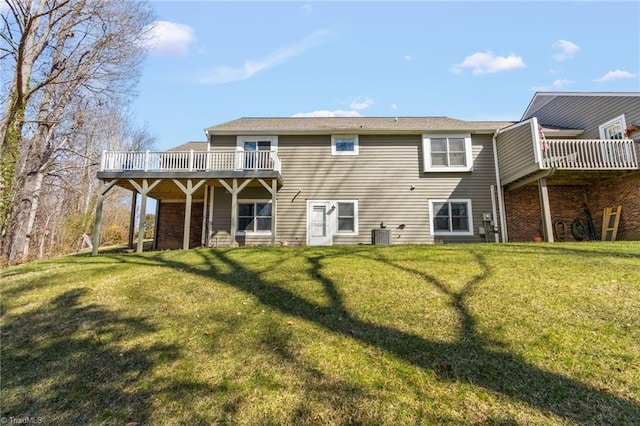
[378,180]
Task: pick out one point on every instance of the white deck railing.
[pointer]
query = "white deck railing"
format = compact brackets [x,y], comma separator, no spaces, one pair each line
[188,161]
[589,154]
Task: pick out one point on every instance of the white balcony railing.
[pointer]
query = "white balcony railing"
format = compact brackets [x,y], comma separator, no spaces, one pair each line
[589,154]
[188,161]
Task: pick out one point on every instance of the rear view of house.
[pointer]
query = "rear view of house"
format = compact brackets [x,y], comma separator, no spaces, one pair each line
[391,180]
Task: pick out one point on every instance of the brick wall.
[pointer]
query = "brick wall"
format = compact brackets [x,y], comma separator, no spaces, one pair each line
[623,192]
[524,218]
[171,225]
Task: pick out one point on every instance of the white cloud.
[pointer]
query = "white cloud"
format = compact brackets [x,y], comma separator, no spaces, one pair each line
[358,105]
[224,74]
[393,106]
[567,50]
[307,9]
[488,63]
[169,38]
[327,113]
[561,83]
[556,85]
[407,58]
[615,75]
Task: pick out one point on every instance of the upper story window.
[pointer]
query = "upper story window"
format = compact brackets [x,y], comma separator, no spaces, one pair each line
[257,143]
[613,129]
[447,153]
[344,145]
[255,152]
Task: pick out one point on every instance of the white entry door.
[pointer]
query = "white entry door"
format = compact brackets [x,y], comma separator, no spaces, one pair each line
[318,224]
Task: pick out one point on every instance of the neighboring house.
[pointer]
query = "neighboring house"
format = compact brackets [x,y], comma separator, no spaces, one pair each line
[571,152]
[404,180]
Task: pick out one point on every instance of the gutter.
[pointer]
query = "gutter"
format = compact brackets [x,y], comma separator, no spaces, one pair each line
[501,210]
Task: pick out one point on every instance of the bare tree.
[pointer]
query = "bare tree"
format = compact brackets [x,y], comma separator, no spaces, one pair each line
[68,57]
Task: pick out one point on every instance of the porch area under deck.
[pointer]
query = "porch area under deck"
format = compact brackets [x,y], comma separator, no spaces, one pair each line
[188,178]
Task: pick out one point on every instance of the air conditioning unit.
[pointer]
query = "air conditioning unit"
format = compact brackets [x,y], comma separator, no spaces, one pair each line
[380,236]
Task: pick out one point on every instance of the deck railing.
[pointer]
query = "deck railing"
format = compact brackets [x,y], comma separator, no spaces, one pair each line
[188,161]
[589,154]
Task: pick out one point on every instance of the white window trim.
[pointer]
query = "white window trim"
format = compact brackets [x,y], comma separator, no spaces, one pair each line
[356,148]
[426,149]
[333,208]
[620,119]
[355,217]
[252,201]
[240,140]
[451,233]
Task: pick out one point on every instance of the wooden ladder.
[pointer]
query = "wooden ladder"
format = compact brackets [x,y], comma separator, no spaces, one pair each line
[609,230]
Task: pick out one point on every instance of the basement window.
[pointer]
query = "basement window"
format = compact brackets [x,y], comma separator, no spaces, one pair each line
[451,217]
[254,217]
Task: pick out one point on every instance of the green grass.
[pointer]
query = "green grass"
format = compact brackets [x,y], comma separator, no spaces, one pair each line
[516,334]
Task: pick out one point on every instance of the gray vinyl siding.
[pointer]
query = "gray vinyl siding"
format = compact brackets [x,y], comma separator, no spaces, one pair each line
[223,143]
[516,157]
[587,112]
[379,178]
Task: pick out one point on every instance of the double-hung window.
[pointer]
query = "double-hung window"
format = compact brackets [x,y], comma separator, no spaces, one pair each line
[256,151]
[447,153]
[254,216]
[451,217]
[344,145]
[347,217]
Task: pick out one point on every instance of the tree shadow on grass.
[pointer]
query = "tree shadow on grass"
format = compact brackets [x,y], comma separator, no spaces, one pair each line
[471,359]
[66,362]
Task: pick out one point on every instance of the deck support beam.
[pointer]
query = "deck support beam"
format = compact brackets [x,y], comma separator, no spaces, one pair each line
[547,226]
[103,188]
[143,189]
[188,191]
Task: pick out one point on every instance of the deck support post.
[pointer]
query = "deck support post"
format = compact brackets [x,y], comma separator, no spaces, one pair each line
[274,210]
[273,190]
[103,188]
[210,216]
[188,191]
[547,226]
[203,234]
[234,189]
[143,189]
[132,218]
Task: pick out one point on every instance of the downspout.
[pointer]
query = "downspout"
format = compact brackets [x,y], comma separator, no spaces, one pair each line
[501,210]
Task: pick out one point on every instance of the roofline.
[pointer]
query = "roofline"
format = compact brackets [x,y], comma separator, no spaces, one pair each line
[318,132]
[363,130]
[554,94]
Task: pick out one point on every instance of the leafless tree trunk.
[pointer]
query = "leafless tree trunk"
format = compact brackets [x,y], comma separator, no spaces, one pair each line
[65,54]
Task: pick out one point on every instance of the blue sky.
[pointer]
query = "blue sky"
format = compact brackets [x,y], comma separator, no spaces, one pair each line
[211,61]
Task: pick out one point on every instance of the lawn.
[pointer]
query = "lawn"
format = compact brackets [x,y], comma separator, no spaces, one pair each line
[512,334]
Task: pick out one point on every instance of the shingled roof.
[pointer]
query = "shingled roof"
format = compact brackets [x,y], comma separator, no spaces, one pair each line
[361,125]
[196,146]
